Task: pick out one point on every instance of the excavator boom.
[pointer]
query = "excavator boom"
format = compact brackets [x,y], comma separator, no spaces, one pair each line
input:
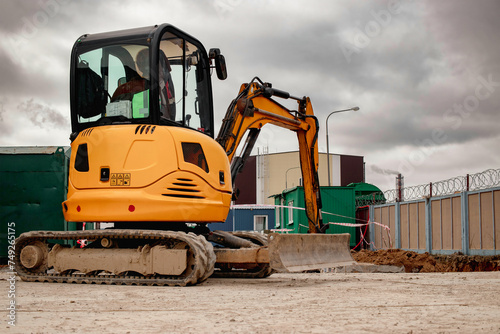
[253,108]
[250,111]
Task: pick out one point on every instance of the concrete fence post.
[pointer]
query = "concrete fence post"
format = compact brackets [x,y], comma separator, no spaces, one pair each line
[371,227]
[464,199]
[397,225]
[428,225]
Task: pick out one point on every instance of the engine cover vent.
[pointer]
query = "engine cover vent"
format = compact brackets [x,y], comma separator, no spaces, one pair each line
[184,188]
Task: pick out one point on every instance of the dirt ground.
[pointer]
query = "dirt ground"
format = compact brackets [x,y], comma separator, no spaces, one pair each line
[462,302]
[427,263]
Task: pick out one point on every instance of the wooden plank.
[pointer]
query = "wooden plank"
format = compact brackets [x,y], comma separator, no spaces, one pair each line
[413,221]
[421,225]
[487,221]
[378,218]
[404,230]
[474,222]
[392,226]
[447,223]
[496,214]
[436,224]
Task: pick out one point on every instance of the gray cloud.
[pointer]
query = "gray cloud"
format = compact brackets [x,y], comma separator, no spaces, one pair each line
[42,116]
[408,79]
[13,12]
[5,128]
[16,75]
[468,28]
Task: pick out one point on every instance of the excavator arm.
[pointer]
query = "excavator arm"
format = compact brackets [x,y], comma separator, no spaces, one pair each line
[253,108]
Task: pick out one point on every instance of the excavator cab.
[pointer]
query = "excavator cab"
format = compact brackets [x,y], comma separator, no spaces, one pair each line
[154,75]
[142,130]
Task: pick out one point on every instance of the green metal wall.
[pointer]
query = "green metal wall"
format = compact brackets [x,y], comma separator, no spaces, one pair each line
[33,183]
[338,206]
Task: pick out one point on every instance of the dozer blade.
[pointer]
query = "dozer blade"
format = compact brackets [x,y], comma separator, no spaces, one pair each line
[300,252]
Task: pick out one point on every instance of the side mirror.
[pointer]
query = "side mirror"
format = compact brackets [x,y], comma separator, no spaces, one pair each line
[220,63]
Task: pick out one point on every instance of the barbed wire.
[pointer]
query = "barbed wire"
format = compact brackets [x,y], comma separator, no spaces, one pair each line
[487,179]
[490,178]
[371,199]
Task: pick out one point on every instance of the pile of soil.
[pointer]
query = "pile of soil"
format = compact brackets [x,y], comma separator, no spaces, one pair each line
[426,263]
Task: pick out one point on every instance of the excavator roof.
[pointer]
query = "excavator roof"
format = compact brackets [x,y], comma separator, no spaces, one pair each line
[135,33]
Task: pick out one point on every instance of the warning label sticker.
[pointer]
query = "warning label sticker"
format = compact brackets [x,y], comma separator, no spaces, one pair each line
[120,179]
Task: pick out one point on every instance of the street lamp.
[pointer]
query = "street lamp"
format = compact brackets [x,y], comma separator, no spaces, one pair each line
[327,144]
[286,176]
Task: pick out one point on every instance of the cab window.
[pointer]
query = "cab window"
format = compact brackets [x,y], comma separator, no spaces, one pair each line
[113,83]
[188,102]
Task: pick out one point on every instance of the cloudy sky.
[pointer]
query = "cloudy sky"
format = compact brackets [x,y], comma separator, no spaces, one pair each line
[425,74]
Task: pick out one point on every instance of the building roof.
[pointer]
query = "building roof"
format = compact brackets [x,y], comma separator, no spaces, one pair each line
[32,149]
[362,188]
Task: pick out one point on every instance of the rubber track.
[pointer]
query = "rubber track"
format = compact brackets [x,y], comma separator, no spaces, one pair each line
[203,257]
[264,270]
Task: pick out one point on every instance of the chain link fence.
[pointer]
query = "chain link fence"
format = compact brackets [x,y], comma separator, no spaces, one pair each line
[488,179]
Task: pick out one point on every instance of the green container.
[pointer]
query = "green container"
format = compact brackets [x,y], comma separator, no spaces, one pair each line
[33,183]
[338,207]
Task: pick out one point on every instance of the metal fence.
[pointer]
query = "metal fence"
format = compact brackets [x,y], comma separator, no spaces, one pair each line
[471,182]
[466,222]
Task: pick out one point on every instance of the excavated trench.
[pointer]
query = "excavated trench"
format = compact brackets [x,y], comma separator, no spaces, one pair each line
[426,263]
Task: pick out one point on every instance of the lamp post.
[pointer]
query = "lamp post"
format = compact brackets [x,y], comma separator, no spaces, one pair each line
[286,176]
[327,143]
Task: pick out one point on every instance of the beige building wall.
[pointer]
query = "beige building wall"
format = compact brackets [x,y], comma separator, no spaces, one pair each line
[278,171]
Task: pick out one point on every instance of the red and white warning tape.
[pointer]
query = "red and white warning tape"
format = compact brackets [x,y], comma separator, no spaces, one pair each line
[364,223]
[256,206]
[82,242]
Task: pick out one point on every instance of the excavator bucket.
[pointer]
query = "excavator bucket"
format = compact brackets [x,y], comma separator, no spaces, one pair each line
[300,252]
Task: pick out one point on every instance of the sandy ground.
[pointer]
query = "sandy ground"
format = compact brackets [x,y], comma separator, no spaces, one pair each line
[282,303]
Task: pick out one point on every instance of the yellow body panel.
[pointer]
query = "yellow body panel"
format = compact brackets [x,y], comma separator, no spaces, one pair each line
[150,177]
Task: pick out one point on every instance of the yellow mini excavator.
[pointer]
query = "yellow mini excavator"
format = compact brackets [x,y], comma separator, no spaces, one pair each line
[143,156]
